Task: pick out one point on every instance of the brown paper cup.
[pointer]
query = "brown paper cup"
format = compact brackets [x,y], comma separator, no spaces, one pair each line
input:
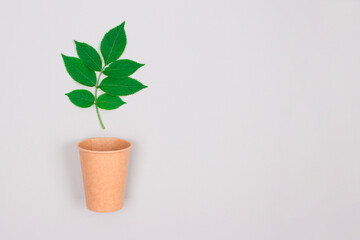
[104,163]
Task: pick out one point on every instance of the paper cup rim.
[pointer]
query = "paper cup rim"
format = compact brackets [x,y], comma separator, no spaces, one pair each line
[109,151]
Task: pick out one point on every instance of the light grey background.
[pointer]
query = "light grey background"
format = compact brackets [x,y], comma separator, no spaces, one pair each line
[249,128]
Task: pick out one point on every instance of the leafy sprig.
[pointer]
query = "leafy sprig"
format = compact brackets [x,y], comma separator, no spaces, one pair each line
[117,83]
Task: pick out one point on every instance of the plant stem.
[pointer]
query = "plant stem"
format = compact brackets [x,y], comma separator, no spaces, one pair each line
[97,108]
[100,120]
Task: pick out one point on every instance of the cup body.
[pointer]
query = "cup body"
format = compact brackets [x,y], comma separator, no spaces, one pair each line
[104,164]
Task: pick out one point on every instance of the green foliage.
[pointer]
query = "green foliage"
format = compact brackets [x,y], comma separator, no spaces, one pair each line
[122,68]
[79,72]
[113,44]
[109,102]
[89,55]
[121,87]
[81,98]
[118,83]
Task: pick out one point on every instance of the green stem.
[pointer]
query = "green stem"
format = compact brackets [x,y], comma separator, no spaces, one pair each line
[96,91]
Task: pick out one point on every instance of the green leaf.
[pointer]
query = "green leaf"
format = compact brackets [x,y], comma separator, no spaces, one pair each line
[109,102]
[78,71]
[122,68]
[89,55]
[121,87]
[113,44]
[81,98]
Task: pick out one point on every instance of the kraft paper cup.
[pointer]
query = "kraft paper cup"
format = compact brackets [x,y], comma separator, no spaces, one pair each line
[104,164]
